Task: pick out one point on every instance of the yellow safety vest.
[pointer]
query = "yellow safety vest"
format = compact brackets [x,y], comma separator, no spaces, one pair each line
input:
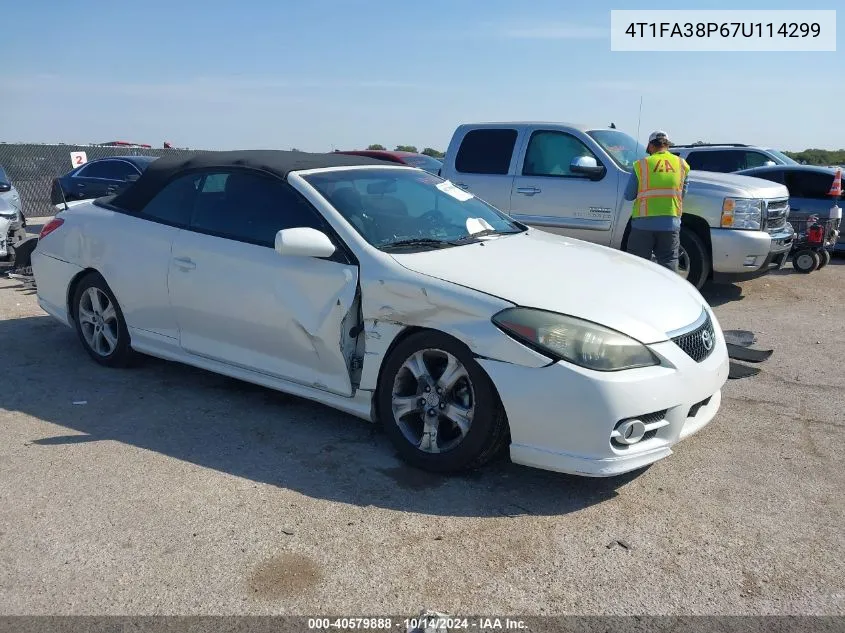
[660,180]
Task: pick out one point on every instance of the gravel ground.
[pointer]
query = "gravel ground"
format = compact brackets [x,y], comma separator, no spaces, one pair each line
[175,491]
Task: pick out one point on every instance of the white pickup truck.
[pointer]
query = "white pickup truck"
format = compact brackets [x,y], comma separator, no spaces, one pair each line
[570,179]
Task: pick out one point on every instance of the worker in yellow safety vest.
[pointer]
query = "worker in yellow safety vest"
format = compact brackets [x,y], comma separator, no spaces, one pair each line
[657,186]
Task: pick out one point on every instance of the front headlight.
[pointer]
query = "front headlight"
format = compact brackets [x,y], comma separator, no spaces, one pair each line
[742,213]
[580,342]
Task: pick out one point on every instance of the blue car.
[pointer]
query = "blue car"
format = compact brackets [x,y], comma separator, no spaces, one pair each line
[808,188]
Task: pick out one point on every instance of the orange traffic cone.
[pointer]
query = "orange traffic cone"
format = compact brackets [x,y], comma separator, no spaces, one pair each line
[836,187]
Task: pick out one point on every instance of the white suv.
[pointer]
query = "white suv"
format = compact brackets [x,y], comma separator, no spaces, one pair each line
[730,157]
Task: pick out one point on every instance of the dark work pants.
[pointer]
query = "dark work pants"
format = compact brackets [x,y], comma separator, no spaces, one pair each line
[664,244]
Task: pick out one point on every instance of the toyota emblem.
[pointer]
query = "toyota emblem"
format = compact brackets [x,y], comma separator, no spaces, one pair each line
[707,340]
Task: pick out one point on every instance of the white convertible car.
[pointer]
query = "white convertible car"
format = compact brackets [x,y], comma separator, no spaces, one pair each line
[394,295]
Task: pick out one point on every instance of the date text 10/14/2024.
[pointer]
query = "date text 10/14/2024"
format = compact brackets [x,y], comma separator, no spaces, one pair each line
[421,623]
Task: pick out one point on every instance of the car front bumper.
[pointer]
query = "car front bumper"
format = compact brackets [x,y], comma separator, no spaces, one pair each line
[741,255]
[561,416]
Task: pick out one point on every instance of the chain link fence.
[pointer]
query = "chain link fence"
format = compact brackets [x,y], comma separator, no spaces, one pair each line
[32,168]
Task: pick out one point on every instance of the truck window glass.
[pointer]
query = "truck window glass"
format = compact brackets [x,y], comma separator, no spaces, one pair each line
[486,151]
[551,153]
[621,148]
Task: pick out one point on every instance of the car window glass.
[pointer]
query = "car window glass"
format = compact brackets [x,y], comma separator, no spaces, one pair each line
[724,161]
[174,204]
[809,184]
[386,206]
[405,197]
[250,208]
[4,178]
[97,169]
[214,183]
[424,162]
[755,159]
[551,153]
[486,151]
[109,169]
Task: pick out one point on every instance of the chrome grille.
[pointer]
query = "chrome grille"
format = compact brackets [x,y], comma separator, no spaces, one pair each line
[695,341]
[776,214]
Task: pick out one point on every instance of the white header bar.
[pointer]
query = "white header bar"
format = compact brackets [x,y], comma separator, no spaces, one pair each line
[723,30]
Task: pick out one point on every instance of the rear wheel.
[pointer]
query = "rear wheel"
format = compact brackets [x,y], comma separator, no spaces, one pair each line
[438,406]
[693,258]
[100,324]
[824,259]
[806,261]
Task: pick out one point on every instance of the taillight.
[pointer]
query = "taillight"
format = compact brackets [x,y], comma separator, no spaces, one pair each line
[51,226]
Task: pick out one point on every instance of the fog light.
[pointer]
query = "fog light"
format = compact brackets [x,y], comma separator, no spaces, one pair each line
[630,432]
[751,260]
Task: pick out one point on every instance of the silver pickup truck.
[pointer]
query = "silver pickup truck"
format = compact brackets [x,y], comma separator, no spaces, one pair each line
[570,179]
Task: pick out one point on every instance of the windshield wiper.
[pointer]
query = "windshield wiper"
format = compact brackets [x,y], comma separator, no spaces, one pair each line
[471,236]
[420,241]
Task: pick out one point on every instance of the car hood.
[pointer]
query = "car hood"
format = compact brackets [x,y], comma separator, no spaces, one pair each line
[718,184]
[568,276]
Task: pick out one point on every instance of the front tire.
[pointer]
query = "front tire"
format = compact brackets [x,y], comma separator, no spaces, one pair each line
[806,261]
[697,258]
[100,324]
[438,406]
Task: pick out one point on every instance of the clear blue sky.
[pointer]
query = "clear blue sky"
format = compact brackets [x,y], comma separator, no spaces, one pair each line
[318,74]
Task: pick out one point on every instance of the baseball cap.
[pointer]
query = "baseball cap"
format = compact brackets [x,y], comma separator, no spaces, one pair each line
[655,135]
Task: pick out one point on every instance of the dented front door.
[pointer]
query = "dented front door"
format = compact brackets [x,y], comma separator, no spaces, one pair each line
[248,306]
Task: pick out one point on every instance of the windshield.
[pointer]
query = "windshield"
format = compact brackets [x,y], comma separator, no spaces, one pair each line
[623,149]
[388,206]
[422,161]
[782,157]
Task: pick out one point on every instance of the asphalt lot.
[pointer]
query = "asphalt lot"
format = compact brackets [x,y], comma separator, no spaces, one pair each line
[175,491]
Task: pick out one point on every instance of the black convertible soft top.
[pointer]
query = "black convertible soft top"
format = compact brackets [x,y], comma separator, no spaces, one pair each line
[276,162]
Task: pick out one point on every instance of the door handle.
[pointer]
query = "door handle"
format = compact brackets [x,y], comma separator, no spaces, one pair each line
[185,263]
[461,185]
[81,185]
[528,191]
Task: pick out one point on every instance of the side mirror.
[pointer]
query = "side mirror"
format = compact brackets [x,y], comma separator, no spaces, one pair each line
[5,186]
[588,166]
[769,163]
[304,242]
[132,177]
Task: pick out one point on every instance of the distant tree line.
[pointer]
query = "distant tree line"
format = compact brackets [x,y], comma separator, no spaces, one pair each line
[819,156]
[428,151]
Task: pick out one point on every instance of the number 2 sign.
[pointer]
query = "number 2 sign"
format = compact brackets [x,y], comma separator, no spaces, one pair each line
[78,158]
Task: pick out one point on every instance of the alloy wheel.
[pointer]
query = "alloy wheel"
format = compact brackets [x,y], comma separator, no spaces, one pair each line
[98,321]
[433,400]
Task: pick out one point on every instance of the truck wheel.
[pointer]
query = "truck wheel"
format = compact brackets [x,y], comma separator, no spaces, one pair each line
[806,261]
[694,259]
[824,258]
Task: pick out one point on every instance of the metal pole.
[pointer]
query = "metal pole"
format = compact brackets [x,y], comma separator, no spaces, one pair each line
[639,119]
